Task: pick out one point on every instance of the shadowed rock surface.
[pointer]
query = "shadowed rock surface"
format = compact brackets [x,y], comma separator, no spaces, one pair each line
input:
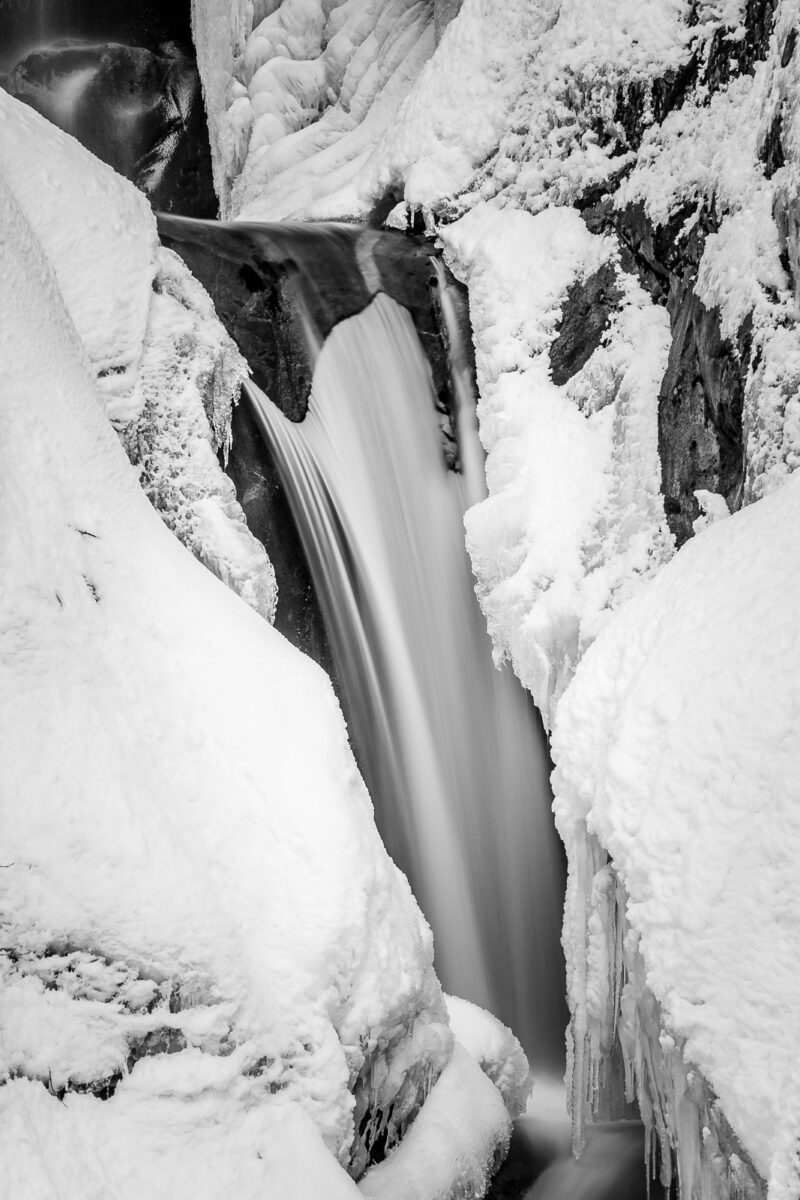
[585,318]
[269,282]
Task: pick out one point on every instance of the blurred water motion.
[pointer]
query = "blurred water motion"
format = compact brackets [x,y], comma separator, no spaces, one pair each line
[452,752]
[540,1164]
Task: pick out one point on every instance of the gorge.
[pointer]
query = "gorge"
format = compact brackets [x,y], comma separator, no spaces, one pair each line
[576,221]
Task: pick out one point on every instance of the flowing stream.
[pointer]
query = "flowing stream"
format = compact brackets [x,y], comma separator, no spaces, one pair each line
[450,747]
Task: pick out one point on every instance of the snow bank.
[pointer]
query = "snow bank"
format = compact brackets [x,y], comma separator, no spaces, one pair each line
[676,749]
[166,370]
[298,99]
[494,1048]
[205,946]
[161,1146]
[574,519]
[454,1149]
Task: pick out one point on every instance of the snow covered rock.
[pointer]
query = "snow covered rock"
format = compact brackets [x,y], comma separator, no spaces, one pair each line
[167,372]
[200,925]
[676,752]
[574,520]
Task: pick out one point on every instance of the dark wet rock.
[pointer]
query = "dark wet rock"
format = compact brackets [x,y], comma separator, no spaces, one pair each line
[700,433]
[771,152]
[701,441]
[641,104]
[585,317]
[272,287]
[272,284]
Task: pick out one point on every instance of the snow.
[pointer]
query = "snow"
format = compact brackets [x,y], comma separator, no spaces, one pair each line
[676,748]
[712,508]
[166,370]
[160,1146]
[189,376]
[675,735]
[197,818]
[454,1150]
[574,520]
[494,1048]
[297,102]
[107,290]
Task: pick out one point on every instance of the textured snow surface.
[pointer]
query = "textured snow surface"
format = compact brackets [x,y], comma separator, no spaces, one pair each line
[69,196]
[179,803]
[709,154]
[574,519]
[164,366]
[677,747]
[298,100]
[320,109]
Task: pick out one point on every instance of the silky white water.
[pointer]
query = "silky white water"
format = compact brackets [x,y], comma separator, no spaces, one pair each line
[454,759]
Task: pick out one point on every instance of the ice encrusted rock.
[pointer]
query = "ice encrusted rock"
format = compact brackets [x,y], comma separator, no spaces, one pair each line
[166,370]
[676,750]
[298,99]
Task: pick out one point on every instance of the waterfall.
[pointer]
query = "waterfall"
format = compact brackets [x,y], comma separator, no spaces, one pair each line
[453,755]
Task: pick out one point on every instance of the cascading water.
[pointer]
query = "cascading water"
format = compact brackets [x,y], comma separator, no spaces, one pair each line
[454,759]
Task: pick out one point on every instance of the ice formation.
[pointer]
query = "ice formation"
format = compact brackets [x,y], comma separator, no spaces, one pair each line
[167,372]
[299,93]
[676,748]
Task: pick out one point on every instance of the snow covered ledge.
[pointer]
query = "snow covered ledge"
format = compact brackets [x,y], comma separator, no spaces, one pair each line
[676,748]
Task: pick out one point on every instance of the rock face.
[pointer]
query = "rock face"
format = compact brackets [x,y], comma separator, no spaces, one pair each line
[585,319]
[274,286]
[700,419]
